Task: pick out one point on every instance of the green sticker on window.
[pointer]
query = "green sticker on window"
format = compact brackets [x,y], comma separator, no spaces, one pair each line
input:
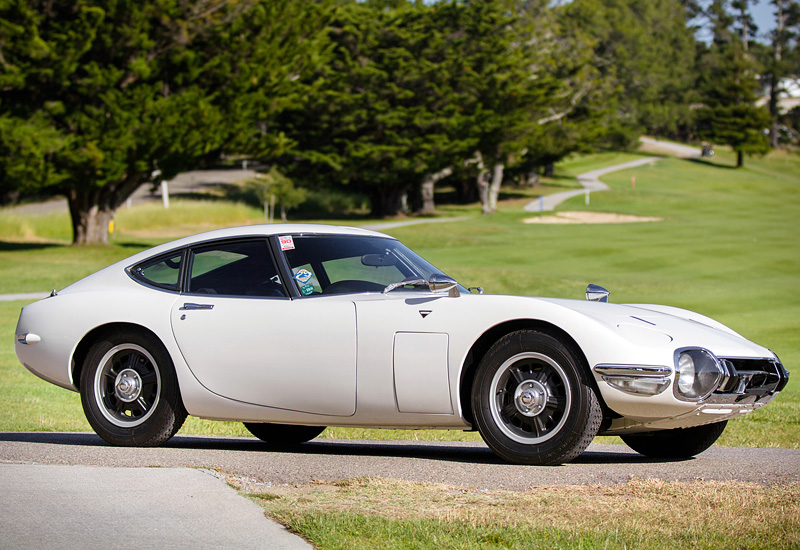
[305,290]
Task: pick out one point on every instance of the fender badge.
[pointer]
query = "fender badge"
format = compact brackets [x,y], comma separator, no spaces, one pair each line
[425,312]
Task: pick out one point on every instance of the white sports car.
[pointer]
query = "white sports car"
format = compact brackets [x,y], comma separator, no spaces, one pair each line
[291,328]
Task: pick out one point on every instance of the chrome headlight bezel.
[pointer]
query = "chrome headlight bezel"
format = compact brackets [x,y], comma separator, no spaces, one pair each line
[703,374]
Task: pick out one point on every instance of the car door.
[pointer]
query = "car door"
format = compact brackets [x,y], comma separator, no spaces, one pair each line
[403,335]
[243,338]
[404,350]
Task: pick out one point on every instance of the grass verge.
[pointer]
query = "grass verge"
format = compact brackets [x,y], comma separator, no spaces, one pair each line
[641,514]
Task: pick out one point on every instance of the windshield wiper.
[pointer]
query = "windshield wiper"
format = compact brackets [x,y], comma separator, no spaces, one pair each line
[408,281]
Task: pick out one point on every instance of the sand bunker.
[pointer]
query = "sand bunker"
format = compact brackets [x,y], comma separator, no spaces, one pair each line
[589,217]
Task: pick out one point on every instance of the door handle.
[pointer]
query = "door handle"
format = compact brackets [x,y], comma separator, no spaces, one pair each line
[193,307]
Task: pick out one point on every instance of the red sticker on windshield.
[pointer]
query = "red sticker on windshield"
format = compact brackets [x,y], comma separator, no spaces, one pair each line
[287,243]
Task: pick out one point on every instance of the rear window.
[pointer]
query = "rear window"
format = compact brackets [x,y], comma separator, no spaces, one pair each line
[163,272]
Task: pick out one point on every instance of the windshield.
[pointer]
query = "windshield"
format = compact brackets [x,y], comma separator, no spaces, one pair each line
[338,264]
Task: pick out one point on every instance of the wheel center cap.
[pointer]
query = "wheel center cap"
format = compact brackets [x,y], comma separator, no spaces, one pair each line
[128,385]
[530,398]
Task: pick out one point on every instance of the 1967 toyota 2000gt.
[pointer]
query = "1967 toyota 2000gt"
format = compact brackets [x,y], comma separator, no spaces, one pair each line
[291,328]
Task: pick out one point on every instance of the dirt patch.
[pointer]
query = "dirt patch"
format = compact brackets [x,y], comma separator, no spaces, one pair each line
[589,217]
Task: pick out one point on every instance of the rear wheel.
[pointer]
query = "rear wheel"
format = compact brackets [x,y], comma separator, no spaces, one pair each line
[529,402]
[129,390]
[283,435]
[676,443]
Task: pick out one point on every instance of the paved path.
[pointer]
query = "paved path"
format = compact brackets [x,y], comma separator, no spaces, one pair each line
[670,148]
[27,296]
[591,180]
[382,226]
[90,507]
[185,183]
[468,464]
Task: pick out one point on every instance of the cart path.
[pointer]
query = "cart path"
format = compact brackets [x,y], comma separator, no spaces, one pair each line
[591,180]
[101,508]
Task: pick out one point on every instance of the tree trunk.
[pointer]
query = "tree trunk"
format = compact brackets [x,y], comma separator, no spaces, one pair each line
[739,159]
[466,191]
[773,111]
[385,201]
[532,179]
[482,181]
[92,209]
[774,82]
[427,189]
[494,188]
[90,217]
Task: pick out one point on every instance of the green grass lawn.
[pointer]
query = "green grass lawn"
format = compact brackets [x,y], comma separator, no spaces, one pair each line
[639,514]
[727,247]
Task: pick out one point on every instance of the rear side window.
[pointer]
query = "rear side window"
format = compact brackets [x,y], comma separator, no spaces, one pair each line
[242,268]
[163,272]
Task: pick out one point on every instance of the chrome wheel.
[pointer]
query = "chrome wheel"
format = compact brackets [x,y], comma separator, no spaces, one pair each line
[531,399]
[127,385]
[129,389]
[531,396]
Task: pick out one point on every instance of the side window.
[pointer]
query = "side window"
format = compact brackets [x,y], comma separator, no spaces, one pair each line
[163,272]
[242,268]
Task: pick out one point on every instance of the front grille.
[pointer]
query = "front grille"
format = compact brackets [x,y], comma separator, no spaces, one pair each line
[753,377]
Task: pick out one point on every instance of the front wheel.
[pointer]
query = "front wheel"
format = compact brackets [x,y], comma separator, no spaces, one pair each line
[129,390]
[529,402]
[283,435]
[676,443]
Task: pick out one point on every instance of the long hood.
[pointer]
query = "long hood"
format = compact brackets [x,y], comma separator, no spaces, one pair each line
[656,325]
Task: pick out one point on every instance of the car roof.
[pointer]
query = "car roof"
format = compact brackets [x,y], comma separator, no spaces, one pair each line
[264,230]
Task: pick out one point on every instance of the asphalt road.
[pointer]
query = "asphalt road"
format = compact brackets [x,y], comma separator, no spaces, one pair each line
[458,464]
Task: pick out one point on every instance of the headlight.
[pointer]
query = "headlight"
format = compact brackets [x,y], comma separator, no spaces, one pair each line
[698,374]
[685,373]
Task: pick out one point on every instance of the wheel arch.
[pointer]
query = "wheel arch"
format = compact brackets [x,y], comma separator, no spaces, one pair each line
[495,333]
[94,335]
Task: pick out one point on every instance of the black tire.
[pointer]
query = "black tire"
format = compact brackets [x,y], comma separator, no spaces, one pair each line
[283,435]
[676,443]
[530,403]
[129,390]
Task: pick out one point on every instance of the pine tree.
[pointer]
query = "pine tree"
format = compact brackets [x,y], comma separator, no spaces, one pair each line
[729,87]
[100,94]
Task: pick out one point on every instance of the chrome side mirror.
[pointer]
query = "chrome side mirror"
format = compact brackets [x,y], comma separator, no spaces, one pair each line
[596,293]
[443,283]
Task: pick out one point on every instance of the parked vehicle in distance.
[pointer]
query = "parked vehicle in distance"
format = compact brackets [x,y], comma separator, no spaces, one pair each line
[291,328]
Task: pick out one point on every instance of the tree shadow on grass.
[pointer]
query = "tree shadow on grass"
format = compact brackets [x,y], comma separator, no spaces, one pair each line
[6,246]
[137,246]
[710,164]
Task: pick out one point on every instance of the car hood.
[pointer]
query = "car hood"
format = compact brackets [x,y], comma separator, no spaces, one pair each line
[657,325]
